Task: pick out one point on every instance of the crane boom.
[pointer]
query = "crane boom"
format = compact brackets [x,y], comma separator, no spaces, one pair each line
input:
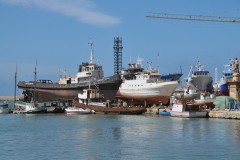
[193,17]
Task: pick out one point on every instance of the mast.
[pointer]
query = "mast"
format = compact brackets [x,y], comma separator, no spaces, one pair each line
[91,51]
[35,81]
[158,67]
[15,84]
[216,74]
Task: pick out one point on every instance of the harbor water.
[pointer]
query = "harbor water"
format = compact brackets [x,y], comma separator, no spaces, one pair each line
[120,137]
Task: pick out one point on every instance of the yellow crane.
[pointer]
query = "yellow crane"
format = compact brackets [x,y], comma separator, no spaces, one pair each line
[193,17]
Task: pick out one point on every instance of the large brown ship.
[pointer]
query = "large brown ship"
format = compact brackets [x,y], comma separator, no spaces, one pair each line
[89,75]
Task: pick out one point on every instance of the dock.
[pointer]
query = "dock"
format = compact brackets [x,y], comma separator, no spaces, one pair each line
[10,98]
[226,114]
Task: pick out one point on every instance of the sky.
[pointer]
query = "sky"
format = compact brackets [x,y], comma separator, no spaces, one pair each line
[54,35]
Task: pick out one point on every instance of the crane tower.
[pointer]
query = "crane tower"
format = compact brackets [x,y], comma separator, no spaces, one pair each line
[117,55]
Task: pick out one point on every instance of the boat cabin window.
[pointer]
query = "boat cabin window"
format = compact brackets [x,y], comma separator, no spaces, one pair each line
[91,68]
[69,81]
[198,73]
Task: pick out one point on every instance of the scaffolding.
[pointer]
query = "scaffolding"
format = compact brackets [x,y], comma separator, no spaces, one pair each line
[117,55]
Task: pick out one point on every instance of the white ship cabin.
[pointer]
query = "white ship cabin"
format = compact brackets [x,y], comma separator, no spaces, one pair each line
[85,72]
[199,71]
[88,95]
[66,80]
[149,77]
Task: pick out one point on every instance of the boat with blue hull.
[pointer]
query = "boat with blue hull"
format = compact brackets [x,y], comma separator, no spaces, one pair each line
[227,73]
[165,113]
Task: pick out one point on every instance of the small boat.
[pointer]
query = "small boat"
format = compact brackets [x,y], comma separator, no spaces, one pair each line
[76,110]
[165,113]
[185,109]
[112,110]
[4,108]
[93,94]
[24,108]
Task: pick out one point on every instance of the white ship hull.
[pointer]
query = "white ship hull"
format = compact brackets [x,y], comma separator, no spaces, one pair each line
[202,83]
[151,92]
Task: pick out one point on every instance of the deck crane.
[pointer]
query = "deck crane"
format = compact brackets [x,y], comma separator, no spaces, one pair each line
[193,17]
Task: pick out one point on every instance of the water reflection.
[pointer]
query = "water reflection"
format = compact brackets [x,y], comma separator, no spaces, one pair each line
[118,137]
[116,131]
[235,128]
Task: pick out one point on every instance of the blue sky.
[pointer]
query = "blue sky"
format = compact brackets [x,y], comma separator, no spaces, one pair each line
[56,34]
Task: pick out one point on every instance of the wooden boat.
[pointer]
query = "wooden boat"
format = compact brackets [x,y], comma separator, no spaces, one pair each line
[85,100]
[113,110]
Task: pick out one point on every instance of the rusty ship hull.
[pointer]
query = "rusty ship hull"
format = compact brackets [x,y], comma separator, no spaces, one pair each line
[51,92]
[113,110]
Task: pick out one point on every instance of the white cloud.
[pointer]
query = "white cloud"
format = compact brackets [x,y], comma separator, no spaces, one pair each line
[82,10]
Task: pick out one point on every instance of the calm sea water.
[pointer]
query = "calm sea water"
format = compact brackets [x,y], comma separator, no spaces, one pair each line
[97,137]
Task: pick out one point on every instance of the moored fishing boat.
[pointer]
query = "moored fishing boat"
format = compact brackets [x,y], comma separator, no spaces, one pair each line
[89,96]
[185,109]
[112,110]
[27,108]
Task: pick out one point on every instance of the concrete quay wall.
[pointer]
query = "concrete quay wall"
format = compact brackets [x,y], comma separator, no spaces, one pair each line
[227,114]
[9,98]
